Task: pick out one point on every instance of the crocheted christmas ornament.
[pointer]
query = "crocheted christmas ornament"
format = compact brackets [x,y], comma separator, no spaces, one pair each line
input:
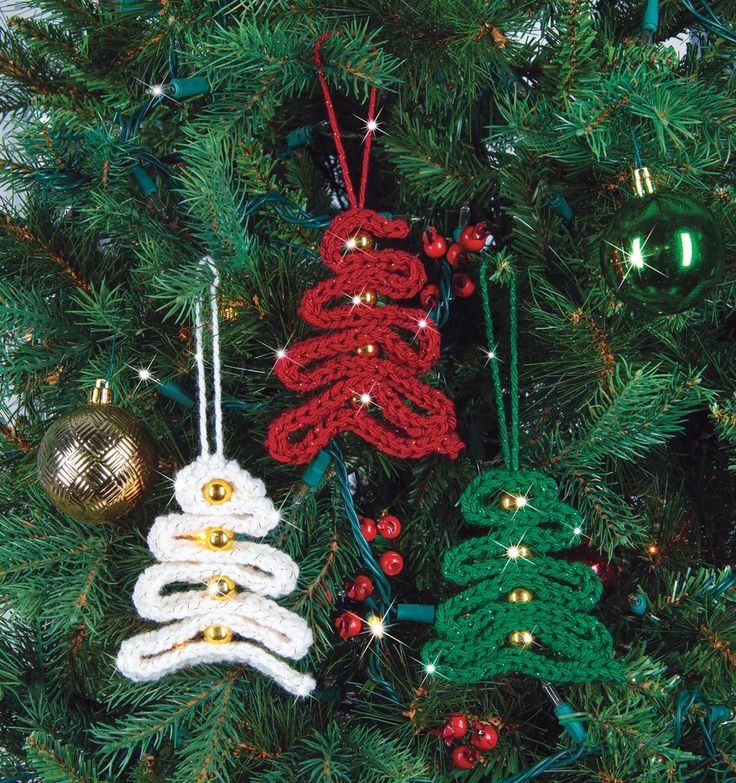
[515,587]
[366,376]
[378,393]
[213,583]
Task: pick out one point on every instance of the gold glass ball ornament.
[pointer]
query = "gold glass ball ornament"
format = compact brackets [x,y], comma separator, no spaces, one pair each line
[217,491]
[520,595]
[217,634]
[96,463]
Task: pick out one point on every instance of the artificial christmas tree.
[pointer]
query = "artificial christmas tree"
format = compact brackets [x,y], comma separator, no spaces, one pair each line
[139,137]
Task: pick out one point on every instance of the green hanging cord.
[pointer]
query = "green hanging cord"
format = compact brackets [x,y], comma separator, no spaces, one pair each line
[111,363]
[514,374]
[495,374]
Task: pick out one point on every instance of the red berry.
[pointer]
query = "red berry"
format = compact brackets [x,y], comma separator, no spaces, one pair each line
[484,736]
[368,528]
[473,238]
[348,625]
[434,243]
[360,588]
[458,724]
[389,526]
[391,563]
[462,284]
[429,296]
[455,254]
[464,757]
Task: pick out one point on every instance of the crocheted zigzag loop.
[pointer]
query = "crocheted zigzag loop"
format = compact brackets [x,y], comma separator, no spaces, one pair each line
[473,627]
[401,415]
[252,573]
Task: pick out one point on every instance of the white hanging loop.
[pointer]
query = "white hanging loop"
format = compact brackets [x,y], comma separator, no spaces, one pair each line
[216,366]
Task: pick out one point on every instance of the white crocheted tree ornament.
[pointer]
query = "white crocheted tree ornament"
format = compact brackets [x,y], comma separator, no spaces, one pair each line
[216,585]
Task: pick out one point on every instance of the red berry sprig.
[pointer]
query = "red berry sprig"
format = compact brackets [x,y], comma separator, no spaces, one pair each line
[483,737]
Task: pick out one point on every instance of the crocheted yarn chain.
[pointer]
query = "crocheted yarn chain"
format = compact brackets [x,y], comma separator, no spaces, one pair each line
[378,396]
[473,627]
[522,610]
[216,585]
[366,375]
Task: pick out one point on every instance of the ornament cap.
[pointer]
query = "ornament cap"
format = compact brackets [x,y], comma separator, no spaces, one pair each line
[643,184]
[100,393]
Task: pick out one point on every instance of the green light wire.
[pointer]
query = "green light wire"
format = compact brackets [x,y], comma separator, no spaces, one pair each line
[509,441]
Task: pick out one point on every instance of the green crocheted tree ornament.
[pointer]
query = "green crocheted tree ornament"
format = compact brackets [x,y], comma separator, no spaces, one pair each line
[523,611]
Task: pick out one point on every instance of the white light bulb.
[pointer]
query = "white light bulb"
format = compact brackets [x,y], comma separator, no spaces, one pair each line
[578,531]
[356,300]
[372,126]
[513,552]
[281,353]
[422,324]
[520,501]
[144,374]
[365,398]
[430,668]
[376,627]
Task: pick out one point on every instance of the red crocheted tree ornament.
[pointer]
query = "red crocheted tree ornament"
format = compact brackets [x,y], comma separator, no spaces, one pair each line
[378,394]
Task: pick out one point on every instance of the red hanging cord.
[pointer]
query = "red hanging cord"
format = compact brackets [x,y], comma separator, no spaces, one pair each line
[336,134]
[367,144]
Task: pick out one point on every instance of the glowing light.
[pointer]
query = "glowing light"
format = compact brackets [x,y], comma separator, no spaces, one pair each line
[144,374]
[376,626]
[636,257]
[653,549]
[513,552]
[157,90]
[356,300]
[578,531]
[430,668]
[687,248]
[422,324]
[491,354]
[351,243]
[520,501]
[527,637]
[281,353]
[365,399]
[371,126]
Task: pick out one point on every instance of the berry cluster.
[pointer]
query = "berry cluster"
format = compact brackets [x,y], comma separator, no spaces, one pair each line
[470,239]
[483,737]
[360,588]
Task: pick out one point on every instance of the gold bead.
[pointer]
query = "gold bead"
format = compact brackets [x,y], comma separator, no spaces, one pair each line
[216,538]
[217,491]
[221,587]
[520,595]
[369,298]
[520,638]
[515,551]
[217,634]
[361,241]
[511,502]
[368,350]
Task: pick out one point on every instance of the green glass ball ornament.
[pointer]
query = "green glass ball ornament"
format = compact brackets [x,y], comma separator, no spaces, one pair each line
[663,251]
